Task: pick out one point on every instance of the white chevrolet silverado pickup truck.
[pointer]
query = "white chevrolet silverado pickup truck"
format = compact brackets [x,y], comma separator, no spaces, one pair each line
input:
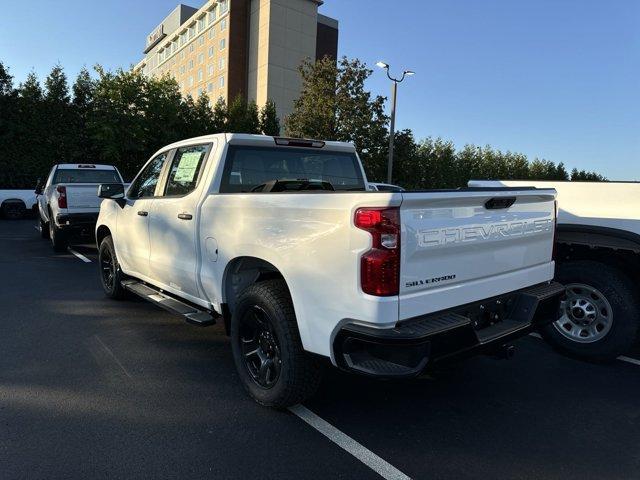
[68,202]
[598,259]
[280,239]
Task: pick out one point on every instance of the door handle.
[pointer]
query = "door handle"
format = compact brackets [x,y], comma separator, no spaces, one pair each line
[142,213]
[185,216]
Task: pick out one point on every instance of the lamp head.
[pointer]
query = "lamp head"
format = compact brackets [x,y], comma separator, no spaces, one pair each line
[382,65]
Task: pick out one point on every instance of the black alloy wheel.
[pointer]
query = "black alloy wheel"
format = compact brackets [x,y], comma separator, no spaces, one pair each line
[260,348]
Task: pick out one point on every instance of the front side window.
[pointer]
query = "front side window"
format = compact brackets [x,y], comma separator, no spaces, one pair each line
[247,168]
[185,168]
[144,186]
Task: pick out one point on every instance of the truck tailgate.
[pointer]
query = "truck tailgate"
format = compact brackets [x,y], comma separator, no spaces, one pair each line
[462,246]
[82,197]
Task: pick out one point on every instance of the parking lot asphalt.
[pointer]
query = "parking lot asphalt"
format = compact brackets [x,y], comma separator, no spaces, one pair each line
[95,388]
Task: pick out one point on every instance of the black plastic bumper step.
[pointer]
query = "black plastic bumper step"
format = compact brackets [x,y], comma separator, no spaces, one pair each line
[191,313]
[434,324]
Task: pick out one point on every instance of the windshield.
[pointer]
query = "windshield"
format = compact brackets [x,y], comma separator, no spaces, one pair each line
[249,167]
[73,175]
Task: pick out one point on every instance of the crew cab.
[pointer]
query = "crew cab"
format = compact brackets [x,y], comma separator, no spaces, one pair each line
[279,239]
[68,202]
[598,245]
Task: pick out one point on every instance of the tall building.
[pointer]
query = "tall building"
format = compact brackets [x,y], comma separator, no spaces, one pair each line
[241,47]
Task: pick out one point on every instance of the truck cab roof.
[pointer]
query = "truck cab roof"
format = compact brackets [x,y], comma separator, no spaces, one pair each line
[265,141]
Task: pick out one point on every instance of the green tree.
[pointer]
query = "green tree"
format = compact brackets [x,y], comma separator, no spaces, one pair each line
[242,116]
[8,127]
[334,104]
[32,133]
[84,149]
[219,124]
[269,121]
[57,114]
[120,124]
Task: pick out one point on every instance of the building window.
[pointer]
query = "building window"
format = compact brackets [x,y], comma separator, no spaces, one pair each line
[192,32]
[221,64]
[190,82]
[200,75]
[191,47]
[200,91]
[221,82]
[160,56]
[211,51]
[201,58]
[224,6]
[212,15]
[210,70]
[223,24]
[201,40]
[201,24]
[223,43]
[212,32]
[210,87]
[182,86]
[190,64]
[183,38]
[182,70]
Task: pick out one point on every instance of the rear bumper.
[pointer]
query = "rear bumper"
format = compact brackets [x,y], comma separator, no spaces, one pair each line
[77,224]
[415,344]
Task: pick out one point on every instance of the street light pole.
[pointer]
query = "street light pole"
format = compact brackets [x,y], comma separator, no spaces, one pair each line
[392,126]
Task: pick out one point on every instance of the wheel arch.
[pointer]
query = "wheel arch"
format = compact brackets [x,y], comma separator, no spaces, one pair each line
[101,233]
[612,246]
[240,273]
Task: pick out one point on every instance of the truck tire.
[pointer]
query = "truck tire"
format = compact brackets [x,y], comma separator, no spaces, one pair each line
[601,314]
[44,228]
[267,351]
[111,275]
[13,209]
[57,236]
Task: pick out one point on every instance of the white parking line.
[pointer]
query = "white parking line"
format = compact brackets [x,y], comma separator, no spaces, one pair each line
[344,441]
[79,255]
[629,360]
[622,358]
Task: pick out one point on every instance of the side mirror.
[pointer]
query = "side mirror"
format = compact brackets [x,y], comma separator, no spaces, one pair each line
[114,191]
[39,189]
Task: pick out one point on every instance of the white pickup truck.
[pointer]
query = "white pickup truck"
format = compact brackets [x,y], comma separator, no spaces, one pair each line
[68,202]
[598,244]
[281,240]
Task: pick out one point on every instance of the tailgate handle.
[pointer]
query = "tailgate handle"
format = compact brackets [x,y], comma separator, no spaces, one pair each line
[499,202]
[185,216]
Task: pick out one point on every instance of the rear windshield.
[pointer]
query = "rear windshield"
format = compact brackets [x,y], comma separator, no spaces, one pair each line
[247,168]
[72,175]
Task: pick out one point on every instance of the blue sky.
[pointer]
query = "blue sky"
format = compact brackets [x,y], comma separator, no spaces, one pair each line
[554,79]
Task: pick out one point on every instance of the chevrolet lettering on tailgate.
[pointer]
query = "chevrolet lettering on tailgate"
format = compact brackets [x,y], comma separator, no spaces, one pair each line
[475,233]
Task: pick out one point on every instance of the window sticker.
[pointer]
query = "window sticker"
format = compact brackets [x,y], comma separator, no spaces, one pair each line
[187,167]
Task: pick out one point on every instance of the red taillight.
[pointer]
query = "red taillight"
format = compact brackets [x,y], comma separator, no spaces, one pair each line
[380,266]
[62,196]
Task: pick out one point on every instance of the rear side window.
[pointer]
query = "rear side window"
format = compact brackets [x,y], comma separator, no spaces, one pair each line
[185,169]
[144,185]
[72,175]
[247,168]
